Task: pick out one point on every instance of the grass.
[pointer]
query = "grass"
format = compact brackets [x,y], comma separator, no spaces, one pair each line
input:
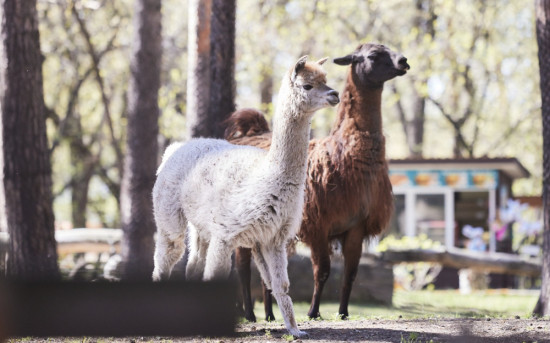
[413,338]
[429,304]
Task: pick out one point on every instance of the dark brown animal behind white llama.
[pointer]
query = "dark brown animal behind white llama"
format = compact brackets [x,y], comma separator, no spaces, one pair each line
[348,191]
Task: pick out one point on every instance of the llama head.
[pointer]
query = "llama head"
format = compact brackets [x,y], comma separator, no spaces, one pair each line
[374,64]
[308,86]
[245,122]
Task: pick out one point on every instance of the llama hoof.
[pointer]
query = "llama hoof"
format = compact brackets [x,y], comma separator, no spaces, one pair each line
[314,315]
[343,316]
[270,317]
[251,319]
[159,277]
[298,333]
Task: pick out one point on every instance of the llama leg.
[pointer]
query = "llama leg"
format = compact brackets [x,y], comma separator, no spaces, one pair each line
[264,273]
[168,250]
[320,261]
[218,260]
[197,255]
[268,303]
[351,249]
[243,256]
[276,258]
[261,264]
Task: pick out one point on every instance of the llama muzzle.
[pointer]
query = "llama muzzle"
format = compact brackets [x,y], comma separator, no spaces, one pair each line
[333,98]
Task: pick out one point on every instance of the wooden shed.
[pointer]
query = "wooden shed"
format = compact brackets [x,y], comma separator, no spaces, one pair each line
[438,197]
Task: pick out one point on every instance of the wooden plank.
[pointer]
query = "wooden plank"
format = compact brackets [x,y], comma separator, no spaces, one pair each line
[79,240]
[88,240]
[498,263]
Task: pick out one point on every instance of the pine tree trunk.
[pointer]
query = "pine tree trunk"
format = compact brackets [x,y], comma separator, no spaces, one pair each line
[266,87]
[198,80]
[79,194]
[222,64]
[142,145]
[413,120]
[415,127]
[543,39]
[83,165]
[3,219]
[26,159]
[211,63]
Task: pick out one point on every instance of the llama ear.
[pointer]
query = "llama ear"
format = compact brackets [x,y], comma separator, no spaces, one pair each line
[322,60]
[344,61]
[299,66]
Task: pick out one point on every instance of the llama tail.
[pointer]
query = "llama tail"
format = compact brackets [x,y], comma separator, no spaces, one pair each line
[246,122]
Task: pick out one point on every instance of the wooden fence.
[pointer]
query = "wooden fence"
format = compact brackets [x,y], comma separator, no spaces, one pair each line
[108,240]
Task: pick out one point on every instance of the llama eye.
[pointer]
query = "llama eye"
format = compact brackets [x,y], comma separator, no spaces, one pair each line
[372,57]
[307,87]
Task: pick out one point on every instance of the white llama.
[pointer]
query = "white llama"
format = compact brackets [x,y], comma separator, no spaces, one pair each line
[231,196]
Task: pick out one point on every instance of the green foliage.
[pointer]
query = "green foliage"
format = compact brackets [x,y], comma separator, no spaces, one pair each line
[288,337]
[476,59]
[413,276]
[408,242]
[413,338]
[429,304]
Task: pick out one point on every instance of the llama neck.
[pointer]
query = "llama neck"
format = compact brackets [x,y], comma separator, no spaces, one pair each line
[360,109]
[289,144]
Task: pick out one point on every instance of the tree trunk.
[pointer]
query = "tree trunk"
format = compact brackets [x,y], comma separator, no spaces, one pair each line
[211,63]
[26,159]
[266,87]
[83,164]
[222,64]
[415,127]
[142,145]
[79,190]
[413,121]
[198,81]
[3,219]
[543,39]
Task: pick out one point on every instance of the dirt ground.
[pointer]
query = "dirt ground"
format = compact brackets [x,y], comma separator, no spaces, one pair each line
[421,330]
[457,330]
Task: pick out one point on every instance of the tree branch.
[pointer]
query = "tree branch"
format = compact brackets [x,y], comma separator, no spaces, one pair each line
[457,124]
[400,111]
[95,59]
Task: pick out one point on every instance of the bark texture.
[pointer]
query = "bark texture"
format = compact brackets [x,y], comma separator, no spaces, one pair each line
[142,146]
[198,61]
[222,64]
[26,158]
[211,61]
[543,40]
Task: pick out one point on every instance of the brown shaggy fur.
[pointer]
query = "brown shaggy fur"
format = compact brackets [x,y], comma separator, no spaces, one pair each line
[249,126]
[348,191]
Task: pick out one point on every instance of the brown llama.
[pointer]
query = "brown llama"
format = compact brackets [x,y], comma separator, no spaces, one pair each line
[348,191]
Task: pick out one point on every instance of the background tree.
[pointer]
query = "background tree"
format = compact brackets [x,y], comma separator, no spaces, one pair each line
[199,123]
[543,39]
[81,155]
[211,83]
[222,64]
[412,115]
[83,95]
[26,159]
[142,148]
[504,120]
